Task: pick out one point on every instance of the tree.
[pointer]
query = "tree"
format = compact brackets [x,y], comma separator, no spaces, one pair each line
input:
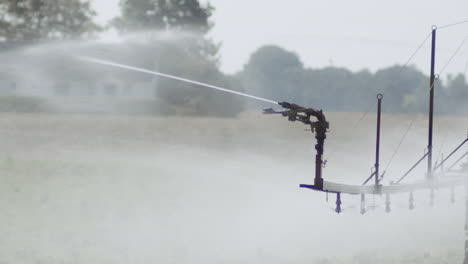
[26,21]
[337,89]
[405,91]
[457,94]
[181,15]
[187,52]
[457,86]
[188,20]
[274,73]
[278,74]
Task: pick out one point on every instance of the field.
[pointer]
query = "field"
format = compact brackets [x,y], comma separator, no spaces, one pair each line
[142,189]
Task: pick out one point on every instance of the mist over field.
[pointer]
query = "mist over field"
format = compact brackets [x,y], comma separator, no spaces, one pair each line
[128,142]
[140,189]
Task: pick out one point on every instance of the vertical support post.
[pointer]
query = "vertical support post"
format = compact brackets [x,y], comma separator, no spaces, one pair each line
[465,170]
[466,219]
[377,145]
[431,104]
[338,203]
[318,180]
[320,128]
[388,209]
[363,203]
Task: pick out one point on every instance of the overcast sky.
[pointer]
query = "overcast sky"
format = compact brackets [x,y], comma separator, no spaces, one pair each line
[355,34]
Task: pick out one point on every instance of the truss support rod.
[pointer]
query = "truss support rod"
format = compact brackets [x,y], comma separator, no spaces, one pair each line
[453,152]
[431,104]
[377,145]
[412,168]
[458,161]
[368,179]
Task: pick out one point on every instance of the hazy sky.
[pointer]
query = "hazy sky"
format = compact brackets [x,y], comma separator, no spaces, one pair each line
[355,34]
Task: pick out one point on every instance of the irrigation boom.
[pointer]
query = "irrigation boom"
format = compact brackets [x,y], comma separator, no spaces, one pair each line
[295,112]
[434,180]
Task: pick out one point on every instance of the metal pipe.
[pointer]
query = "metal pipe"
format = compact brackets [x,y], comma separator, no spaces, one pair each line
[363,203]
[377,145]
[388,209]
[458,161]
[450,155]
[466,222]
[431,104]
[412,168]
[338,203]
[368,179]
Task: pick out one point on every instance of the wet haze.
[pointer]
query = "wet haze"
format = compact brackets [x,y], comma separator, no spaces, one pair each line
[121,188]
[136,189]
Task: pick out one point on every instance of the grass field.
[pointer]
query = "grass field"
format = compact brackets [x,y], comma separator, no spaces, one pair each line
[141,189]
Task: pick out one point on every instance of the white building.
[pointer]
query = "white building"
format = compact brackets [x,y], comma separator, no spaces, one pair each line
[103,95]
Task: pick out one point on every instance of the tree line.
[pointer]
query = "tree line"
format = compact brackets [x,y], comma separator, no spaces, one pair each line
[271,72]
[276,73]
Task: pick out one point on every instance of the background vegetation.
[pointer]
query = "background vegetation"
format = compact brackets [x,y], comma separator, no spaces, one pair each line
[274,72]
[271,71]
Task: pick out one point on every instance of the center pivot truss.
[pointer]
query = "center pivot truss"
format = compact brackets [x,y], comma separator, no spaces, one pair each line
[319,126]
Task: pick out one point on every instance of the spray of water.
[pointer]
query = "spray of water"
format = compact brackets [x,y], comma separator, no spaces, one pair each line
[132,68]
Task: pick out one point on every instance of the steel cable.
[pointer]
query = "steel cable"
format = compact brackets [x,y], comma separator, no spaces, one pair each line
[430,88]
[373,105]
[454,24]
[453,55]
